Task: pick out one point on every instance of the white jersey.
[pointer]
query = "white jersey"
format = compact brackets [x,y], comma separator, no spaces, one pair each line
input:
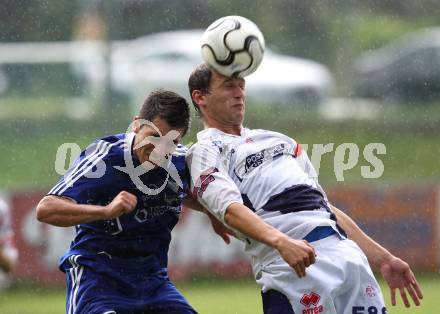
[264,170]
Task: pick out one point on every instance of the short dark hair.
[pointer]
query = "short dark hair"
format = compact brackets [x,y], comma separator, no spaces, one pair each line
[200,79]
[169,106]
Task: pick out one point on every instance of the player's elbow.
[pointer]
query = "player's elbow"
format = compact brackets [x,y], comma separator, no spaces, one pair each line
[43,210]
[228,219]
[232,214]
[50,210]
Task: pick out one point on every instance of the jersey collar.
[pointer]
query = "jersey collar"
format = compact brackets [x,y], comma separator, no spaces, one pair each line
[129,148]
[213,132]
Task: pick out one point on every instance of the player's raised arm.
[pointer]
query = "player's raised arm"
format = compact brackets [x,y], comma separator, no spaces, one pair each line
[63,212]
[395,271]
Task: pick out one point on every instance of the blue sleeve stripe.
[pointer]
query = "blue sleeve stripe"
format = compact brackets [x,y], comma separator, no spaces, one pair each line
[84,166]
[122,145]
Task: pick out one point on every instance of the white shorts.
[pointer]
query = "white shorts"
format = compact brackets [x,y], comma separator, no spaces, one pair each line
[340,281]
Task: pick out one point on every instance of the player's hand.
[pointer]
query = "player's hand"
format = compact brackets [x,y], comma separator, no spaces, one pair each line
[123,203]
[224,232]
[299,254]
[399,275]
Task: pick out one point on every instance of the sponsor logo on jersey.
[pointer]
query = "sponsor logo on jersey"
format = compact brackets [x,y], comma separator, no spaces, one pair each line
[253,161]
[149,213]
[203,181]
[310,301]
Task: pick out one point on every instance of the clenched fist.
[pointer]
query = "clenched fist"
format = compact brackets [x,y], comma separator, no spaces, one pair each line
[299,254]
[123,203]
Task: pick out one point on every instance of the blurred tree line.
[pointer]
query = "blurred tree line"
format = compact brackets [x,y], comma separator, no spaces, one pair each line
[329,31]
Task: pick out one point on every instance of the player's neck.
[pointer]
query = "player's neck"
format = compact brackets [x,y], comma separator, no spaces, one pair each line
[229,129]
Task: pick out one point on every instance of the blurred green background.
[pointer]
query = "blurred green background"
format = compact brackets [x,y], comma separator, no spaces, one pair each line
[46,105]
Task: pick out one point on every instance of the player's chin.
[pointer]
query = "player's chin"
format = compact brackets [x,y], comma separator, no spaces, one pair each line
[239,116]
[147,163]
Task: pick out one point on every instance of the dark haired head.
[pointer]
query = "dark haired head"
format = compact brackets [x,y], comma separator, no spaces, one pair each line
[169,106]
[200,79]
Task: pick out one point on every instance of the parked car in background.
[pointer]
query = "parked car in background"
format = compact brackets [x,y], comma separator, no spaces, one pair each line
[166,60]
[408,69]
[135,67]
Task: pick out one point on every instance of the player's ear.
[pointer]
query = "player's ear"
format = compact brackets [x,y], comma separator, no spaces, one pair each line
[199,98]
[135,126]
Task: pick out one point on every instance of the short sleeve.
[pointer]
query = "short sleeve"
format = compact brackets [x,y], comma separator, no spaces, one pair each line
[88,173]
[210,183]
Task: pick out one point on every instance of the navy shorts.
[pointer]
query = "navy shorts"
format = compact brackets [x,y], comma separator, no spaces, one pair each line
[103,285]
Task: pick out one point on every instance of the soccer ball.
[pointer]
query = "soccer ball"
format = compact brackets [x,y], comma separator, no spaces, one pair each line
[233,46]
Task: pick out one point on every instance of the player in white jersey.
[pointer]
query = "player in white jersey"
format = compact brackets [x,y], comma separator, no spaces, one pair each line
[261,184]
[8,251]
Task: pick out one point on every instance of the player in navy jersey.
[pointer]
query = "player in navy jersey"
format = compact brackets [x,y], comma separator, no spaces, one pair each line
[123,195]
[264,186]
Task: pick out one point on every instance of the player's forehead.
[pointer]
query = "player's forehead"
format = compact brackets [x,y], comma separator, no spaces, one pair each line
[155,126]
[219,80]
[158,127]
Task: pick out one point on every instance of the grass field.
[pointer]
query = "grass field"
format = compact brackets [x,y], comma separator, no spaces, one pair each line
[207,296]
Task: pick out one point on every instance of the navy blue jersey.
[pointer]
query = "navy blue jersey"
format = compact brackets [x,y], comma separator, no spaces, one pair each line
[96,178]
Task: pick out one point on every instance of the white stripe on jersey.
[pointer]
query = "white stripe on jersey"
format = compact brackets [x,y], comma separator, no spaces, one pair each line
[72,273]
[102,149]
[181,150]
[75,275]
[79,271]
[72,172]
[72,279]
[99,147]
